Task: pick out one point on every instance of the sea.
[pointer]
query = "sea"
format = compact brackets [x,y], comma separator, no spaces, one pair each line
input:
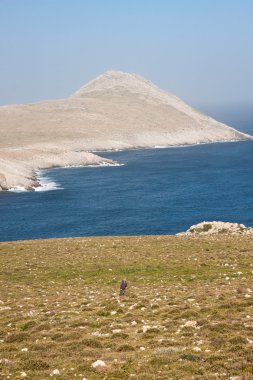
[152,191]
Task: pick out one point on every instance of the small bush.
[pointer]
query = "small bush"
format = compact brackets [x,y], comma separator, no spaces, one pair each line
[27,325]
[103,313]
[190,357]
[16,337]
[238,340]
[125,347]
[38,365]
[91,343]
[120,335]
[207,227]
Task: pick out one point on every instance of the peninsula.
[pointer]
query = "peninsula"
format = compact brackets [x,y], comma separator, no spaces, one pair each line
[115,111]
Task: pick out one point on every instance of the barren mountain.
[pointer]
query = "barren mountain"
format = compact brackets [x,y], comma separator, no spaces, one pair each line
[115,111]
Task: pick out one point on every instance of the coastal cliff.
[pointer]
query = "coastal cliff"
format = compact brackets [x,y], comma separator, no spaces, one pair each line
[115,111]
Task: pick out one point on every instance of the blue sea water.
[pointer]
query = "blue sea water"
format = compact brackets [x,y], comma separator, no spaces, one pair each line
[156,191]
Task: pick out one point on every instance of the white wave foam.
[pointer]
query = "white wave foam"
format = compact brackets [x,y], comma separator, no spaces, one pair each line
[103,164]
[90,166]
[18,189]
[46,184]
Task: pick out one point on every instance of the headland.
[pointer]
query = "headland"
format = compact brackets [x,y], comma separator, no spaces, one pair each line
[115,111]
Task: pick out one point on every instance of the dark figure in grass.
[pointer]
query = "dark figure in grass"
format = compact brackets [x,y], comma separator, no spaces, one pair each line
[123,287]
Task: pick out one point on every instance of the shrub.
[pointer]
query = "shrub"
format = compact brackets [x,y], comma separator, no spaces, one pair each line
[38,364]
[91,343]
[27,325]
[125,347]
[207,227]
[16,337]
[190,357]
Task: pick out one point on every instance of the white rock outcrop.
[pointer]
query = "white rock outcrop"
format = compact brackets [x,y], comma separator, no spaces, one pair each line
[217,228]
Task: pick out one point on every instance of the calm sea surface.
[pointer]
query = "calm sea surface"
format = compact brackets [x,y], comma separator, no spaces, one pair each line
[156,191]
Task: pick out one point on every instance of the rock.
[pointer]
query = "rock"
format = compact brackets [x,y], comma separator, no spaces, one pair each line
[217,228]
[55,372]
[116,331]
[98,363]
[97,333]
[146,328]
[190,324]
[165,350]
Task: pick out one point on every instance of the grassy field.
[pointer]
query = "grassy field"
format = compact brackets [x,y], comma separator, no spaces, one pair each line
[187,313]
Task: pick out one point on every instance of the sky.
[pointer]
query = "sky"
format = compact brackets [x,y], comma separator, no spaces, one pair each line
[200,50]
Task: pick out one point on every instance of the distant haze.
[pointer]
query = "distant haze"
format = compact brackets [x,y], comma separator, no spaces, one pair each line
[199,50]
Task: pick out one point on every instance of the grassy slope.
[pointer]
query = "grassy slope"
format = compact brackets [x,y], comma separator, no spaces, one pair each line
[59,298]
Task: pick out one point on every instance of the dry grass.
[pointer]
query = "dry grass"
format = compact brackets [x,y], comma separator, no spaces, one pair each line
[187,314]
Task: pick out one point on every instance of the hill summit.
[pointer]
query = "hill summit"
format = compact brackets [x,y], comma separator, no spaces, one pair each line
[120,83]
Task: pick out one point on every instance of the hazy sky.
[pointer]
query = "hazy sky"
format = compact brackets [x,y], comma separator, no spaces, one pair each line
[200,50]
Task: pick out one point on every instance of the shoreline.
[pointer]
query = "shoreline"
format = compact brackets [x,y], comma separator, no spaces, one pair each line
[173,146]
[51,185]
[39,186]
[179,236]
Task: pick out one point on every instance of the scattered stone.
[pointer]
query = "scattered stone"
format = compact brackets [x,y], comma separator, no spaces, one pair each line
[97,333]
[196,349]
[165,350]
[5,361]
[3,308]
[55,372]
[23,374]
[98,363]
[190,324]
[116,331]
[146,328]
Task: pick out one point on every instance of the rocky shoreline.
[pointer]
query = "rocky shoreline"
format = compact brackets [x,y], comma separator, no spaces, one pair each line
[21,172]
